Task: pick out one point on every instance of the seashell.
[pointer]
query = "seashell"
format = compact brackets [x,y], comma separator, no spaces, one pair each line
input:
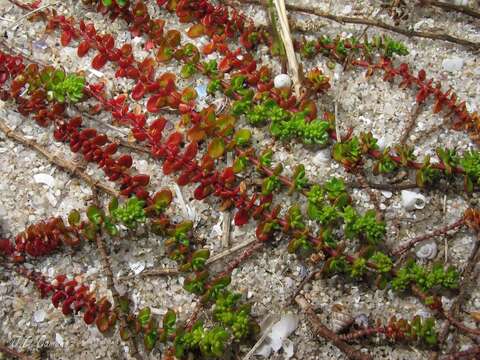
[282,81]
[340,320]
[361,321]
[427,250]
[412,200]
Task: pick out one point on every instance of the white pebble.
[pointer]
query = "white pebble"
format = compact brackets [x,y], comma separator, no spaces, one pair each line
[59,339]
[44,179]
[282,81]
[39,316]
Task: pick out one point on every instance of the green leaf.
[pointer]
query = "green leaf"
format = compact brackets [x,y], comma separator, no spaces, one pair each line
[242,137]
[150,339]
[95,215]
[144,316]
[216,148]
[113,205]
[74,218]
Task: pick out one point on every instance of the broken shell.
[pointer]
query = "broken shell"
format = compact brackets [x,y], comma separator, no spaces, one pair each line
[340,320]
[282,81]
[412,200]
[361,321]
[427,250]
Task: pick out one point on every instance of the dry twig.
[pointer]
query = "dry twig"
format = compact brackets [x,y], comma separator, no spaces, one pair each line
[439,232]
[322,331]
[60,162]
[379,24]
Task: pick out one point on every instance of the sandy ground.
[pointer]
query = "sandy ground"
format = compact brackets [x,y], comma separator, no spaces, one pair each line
[270,277]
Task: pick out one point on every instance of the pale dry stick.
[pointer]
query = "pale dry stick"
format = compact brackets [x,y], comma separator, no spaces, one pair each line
[288,45]
[376,23]
[227,215]
[471,353]
[385,187]
[453,7]
[60,162]
[211,260]
[322,331]
[30,13]
[259,342]
[107,269]
[411,123]
[474,258]
[373,197]
[439,232]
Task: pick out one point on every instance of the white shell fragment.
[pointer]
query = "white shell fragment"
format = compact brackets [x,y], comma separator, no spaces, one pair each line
[282,81]
[39,315]
[44,179]
[59,339]
[277,337]
[412,200]
[427,250]
[137,267]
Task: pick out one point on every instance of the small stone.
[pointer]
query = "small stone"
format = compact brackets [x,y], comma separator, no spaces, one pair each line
[387,194]
[137,267]
[59,339]
[452,64]
[282,81]
[347,9]
[39,316]
[321,158]
[44,179]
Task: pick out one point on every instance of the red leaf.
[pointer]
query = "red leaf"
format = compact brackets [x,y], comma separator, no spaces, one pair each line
[100,140]
[168,167]
[190,151]
[154,103]
[83,48]
[138,91]
[89,316]
[66,38]
[184,178]
[108,41]
[241,217]
[201,192]
[111,148]
[141,179]
[224,65]
[125,160]
[88,133]
[174,139]
[158,125]
[99,61]
[422,75]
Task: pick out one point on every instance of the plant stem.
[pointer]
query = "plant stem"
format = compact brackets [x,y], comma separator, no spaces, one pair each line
[439,232]
[469,353]
[464,285]
[411,123]
[376,23]
[322,331]
[453,7]
[107,269]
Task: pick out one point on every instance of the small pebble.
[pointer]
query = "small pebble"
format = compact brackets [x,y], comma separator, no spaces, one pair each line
[282,81]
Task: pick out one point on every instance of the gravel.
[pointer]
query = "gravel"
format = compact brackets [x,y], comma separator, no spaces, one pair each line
[33,189]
